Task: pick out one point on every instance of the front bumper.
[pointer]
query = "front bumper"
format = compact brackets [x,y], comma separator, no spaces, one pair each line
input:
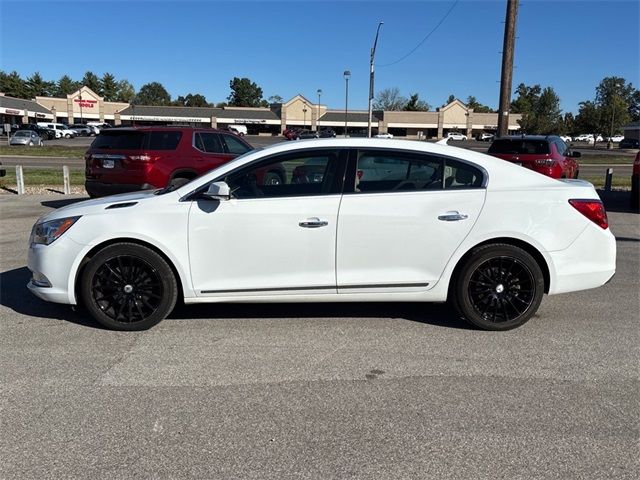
[55,265]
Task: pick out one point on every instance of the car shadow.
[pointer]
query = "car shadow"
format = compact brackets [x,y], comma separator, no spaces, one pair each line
[62,203]
[617,201]
[15,296]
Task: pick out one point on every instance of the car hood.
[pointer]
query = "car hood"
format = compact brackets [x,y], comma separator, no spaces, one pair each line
[99,204]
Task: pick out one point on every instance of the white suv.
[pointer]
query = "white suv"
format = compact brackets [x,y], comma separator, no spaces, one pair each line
[456,136]
[61,129]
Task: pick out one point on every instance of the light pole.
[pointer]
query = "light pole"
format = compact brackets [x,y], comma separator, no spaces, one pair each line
[318,116]
[304,116]
[80,98]
[347,75]
[373,54]
[613,114]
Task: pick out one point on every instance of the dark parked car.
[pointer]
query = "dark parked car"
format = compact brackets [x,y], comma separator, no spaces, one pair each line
[306,134]
[629,143]
[327,133]
[548,155]
[128,159]
[45,133]
[290,133]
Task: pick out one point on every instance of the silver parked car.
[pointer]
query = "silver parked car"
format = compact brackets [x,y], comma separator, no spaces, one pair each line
[26,137]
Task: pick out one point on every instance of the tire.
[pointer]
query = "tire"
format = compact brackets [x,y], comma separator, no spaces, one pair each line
[67,136]
[272,178]
[144,286]
[31,143]
[499,287]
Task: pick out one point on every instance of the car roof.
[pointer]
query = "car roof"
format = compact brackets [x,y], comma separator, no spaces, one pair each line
[164,128]
[528,137]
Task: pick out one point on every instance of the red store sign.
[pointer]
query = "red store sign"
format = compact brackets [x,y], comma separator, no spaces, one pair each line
[86,103]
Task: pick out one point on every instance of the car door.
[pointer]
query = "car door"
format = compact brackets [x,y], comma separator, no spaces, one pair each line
[269,239]
[398,233]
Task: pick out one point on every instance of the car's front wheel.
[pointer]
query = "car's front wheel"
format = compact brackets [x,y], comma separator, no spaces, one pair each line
[499,287]
[127,286]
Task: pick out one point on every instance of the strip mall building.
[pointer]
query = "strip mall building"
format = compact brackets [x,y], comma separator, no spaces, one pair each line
[85,105]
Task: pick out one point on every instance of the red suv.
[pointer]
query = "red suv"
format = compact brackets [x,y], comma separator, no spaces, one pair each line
[548,155]
[128,159]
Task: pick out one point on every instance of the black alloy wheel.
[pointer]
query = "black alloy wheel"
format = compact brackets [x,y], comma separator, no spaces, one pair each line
[128,287]
[500,287]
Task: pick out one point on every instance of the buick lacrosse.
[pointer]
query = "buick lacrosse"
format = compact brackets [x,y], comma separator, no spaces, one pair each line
[353,220]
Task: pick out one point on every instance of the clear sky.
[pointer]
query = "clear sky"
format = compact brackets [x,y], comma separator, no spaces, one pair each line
[292,47]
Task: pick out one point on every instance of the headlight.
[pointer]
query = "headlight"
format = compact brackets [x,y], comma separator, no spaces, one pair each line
[48,232]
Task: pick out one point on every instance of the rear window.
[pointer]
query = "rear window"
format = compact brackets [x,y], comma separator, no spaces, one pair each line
[128,140]
[520,146]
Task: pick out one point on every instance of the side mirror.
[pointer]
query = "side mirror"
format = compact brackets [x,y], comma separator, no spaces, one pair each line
[576,154]
[218,191]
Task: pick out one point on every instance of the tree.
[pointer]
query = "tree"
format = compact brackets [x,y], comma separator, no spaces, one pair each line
[477,107]
[126,92]
[92,81]
[451,98]
[416,105]
[37,86]
[13,85]
[276,99]
[389,99]
[192,100]
[618,104]
[588,118]
[569,124]
[540,109]
[66,86]
[153,94]
[109,87]
[244,93]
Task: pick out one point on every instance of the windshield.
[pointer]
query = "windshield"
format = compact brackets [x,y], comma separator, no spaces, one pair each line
[23,133]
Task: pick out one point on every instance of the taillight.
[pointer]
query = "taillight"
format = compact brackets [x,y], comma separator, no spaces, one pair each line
[146,158]
[545,162]
[593,210]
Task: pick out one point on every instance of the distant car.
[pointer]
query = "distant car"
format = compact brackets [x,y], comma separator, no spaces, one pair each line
[306,134]
[588,138]
[240,130]
[61,129]
[26,137]
[629,143]
[566,138]
[82,130]
[615,138]
[384,135]
[485,137]
[290,133]
[548,155]
[635,184]
[456,136]
[45,133]
[327,133]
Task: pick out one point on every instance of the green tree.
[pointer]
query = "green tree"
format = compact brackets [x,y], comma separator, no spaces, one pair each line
[92,81]
[540,109]
[37,86]
[192,100]
[569,124]
[109,87]
[526,98]
[126,92]
[244,93]
[615,98]
[66,86]
[472,102]
[153,94]
[416,105]
[451,98]
[12,85]
[389,99]
[276,99]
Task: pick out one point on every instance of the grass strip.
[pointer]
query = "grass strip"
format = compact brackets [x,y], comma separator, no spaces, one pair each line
[46,151]
[44,176]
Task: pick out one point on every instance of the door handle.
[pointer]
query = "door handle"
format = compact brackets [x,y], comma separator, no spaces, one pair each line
[453,216]
[313,222]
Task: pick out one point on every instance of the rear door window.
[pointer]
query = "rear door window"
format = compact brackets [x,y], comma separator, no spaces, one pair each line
[233,145]
[118,140]
[162,140]
[208,142]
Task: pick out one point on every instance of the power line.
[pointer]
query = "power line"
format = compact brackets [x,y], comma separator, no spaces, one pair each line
[425,38]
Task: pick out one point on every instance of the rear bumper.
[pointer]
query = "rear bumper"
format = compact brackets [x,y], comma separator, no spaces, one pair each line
[589,262]
[100,189]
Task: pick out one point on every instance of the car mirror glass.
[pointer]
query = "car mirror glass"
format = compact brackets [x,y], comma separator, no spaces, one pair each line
[218,191]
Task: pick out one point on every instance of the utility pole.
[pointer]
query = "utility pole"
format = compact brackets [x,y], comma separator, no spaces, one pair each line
[371,61]
[506,76]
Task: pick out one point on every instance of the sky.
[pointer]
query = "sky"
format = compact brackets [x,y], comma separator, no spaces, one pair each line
[298,47]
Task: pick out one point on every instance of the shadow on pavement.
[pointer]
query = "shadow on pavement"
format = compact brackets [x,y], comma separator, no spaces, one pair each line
[15,295]
[437,314]
[62,203]
[617,201]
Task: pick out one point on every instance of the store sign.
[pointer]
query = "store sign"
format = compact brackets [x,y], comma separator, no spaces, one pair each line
[145,118]
[244,120]
[85,103]
[11,111]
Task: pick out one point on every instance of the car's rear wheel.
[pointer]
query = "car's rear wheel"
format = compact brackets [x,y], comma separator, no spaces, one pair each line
[127,286]
[499,287]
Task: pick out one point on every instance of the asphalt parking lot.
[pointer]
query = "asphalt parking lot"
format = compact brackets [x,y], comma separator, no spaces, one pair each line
[319,391]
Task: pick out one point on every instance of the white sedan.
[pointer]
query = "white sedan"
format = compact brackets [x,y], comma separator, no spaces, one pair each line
[374,220]
[384,135]
[456,136]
